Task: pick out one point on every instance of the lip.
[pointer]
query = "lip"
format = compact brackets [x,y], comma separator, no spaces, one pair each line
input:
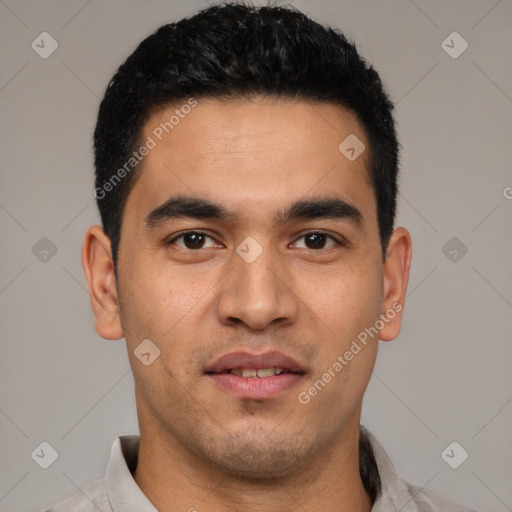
[243,359]
[255,388]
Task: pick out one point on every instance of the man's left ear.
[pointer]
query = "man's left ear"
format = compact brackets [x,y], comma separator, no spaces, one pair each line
[396,278]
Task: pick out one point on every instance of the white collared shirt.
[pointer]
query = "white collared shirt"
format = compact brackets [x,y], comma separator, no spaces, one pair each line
[118,491]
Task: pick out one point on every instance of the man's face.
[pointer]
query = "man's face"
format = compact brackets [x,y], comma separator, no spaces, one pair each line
[253,282]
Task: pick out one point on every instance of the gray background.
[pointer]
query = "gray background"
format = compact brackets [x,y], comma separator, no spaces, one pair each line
[446,378]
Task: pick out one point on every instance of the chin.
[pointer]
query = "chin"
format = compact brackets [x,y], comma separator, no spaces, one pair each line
[258,455]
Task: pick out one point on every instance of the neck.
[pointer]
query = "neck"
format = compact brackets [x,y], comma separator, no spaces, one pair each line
[175,479]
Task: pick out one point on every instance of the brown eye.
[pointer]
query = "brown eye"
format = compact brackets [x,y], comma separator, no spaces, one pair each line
[317,240]
[192,240]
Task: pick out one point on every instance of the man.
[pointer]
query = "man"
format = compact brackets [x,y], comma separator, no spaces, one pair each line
[246,176]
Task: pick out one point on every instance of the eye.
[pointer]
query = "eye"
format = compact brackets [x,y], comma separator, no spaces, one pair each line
[317,239]
[192,240]
[195,240]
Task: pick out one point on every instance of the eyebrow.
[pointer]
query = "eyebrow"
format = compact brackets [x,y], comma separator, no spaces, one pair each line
[324,207]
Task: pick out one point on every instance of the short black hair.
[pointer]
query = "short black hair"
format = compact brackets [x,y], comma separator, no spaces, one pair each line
[233,50]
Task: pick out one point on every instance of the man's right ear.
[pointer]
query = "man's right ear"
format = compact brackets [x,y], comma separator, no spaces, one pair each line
[99,271]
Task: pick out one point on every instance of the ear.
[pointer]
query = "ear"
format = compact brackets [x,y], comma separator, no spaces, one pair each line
[99,272]
[396,278]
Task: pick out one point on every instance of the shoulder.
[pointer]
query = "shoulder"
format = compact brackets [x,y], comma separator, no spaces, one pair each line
[93,498]
[395,492]
[429,501]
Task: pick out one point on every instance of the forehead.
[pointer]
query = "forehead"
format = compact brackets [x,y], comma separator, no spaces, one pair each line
[259,150]
[254,125]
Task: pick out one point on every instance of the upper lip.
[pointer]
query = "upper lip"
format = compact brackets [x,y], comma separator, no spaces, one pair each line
[243,359]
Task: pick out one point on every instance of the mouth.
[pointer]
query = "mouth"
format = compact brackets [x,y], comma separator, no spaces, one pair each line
[251,373]
[255,376]
[261,373]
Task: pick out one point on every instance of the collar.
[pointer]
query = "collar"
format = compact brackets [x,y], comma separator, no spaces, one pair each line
[394,492]
[124,493]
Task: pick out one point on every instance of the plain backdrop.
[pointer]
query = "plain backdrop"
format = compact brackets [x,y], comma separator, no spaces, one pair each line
[446,378]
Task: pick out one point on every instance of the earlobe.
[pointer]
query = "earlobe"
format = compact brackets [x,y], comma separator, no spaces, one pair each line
[396,277]
[99,272]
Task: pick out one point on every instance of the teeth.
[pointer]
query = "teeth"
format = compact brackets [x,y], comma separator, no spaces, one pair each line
[260,372]
[266,372]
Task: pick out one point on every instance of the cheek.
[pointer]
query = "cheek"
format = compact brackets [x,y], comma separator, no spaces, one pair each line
[347,300]
[164,306]
[153,299]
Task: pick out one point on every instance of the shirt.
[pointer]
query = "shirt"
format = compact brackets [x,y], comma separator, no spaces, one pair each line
[118,491]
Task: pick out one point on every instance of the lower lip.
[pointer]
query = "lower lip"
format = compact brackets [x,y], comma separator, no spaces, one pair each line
[256,388]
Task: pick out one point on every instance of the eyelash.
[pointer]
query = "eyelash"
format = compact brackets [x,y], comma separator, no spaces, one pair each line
[183,233]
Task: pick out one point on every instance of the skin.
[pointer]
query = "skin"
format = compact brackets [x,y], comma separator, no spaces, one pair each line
[201,446]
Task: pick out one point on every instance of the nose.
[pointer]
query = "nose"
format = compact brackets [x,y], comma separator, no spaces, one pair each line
[257,293]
